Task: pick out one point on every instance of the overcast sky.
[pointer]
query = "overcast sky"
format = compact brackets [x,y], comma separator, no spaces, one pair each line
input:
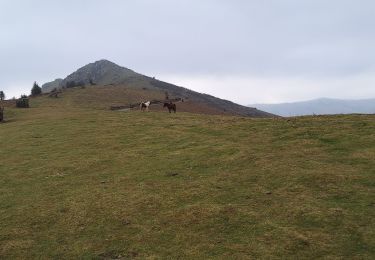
[248,51]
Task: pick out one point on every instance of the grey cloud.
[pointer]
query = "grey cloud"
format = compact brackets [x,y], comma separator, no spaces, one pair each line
[273,39]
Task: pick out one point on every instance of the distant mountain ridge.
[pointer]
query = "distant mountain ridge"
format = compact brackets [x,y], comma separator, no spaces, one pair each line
[105,73]
[321,106]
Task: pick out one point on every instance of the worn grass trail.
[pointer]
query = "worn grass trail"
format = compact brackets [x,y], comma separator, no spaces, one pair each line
[80,183]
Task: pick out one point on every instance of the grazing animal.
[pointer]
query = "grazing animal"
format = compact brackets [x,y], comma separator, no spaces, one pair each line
[170,106]
[144,106]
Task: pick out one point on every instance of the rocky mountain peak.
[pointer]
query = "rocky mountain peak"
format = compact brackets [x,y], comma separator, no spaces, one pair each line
[101,72]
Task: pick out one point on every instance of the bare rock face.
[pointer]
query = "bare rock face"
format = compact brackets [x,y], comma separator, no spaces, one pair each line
[48,87]
[102,72]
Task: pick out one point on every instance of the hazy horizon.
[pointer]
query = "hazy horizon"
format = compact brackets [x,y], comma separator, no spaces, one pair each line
[316,99]
[245,51]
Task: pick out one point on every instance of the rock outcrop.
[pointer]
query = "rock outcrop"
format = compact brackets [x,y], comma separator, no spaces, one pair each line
[48,87]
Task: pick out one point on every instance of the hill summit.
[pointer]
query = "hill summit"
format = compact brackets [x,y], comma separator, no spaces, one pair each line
[106,74]
[102,72]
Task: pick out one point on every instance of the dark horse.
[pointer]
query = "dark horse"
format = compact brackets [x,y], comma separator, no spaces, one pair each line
[170,106]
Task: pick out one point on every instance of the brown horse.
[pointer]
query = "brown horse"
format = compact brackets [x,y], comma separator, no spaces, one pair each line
[170,106]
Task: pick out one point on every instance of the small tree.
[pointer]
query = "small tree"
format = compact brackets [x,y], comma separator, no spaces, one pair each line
[36,90]
[2,95]
[22,102]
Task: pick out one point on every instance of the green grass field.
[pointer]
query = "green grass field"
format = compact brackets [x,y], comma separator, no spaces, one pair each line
[95,184]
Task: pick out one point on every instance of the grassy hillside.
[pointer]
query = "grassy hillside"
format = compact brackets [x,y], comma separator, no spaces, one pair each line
[108,75]
[89,183]
[103,97]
